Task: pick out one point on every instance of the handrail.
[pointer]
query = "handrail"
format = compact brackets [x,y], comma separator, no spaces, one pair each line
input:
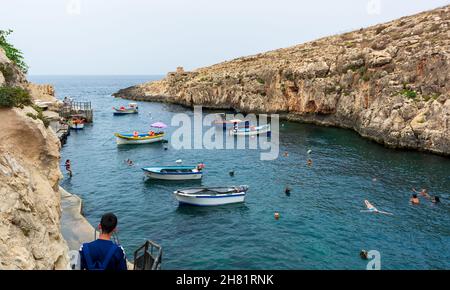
[150,248]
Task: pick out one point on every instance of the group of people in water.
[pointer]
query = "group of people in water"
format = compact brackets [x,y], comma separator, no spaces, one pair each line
[423,193]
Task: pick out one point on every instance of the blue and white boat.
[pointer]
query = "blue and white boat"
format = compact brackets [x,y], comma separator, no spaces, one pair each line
[211,196]
[132,109]
[174,172]
[251,131]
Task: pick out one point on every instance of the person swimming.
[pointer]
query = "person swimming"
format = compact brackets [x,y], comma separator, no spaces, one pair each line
[364,254]
[435,199]
[309,162]
[287,191]
[414,199]
[423,192]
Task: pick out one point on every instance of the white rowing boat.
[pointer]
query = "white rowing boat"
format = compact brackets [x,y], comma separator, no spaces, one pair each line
[174,172]
[211,196]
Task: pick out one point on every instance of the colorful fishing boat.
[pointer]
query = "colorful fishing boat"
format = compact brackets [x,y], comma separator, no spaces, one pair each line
[251,131]
[174,172]
[211,196]
[132,109]
[76,122]
[136,138]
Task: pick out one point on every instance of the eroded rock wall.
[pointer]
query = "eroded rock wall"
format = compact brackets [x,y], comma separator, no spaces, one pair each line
[389,82]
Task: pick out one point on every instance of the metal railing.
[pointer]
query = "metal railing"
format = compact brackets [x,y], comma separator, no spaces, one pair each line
[77,108]
[148,257]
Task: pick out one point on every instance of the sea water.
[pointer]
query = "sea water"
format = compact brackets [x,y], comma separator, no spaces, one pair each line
[320,224]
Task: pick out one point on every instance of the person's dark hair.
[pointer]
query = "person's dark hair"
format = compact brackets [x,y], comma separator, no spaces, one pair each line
[414,195]
[108,222]
[437,199]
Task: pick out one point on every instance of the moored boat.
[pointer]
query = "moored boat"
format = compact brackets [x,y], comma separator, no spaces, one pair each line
[221,122]
[76,122]
[211,196]
[135,138]
[174,172]
[251,131]
[132,109]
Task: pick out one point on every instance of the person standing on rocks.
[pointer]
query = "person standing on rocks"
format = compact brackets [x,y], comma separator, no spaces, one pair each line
[103,254]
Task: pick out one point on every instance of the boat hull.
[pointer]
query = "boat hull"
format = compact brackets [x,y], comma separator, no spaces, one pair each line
[123,141]
[250,132]
[130,139]
[210,200]
[173,173]
[127,112]
[171,176]
[76,126]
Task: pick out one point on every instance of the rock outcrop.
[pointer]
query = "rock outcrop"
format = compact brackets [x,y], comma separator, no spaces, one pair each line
[30,205]
[30,211]
[389,82]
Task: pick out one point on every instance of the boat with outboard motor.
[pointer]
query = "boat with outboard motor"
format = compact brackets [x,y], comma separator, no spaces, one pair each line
[132,109]
[251,131]
[136,138]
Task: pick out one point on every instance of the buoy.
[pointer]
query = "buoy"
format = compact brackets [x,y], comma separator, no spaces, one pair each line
[309,151]
[231,173]
[277,216]
[179,161]
[374,179]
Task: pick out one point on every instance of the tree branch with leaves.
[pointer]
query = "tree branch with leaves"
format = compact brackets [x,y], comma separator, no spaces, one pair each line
[15,55]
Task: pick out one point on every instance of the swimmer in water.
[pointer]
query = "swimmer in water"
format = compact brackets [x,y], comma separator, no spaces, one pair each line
[423,192]
[436,199]
[309,162]
[414,199]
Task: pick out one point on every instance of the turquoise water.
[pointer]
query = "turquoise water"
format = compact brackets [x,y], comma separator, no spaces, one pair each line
[321,226]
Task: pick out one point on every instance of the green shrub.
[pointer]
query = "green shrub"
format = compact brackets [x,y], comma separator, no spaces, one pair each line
[410,94]
[39,116]
[13,54]
[14,97]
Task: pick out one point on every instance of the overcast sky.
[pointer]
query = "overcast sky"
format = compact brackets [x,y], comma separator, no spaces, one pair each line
[155,36]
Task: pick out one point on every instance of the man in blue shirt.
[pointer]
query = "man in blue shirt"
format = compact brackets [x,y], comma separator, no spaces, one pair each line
[103,254]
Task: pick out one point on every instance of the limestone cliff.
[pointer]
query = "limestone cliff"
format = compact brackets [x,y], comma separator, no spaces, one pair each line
[389,82]
[30,211]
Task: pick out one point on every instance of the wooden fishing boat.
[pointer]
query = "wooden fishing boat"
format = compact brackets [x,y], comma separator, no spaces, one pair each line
[211,196]
[251,131]
[132,109]
[134,138]
[174,172]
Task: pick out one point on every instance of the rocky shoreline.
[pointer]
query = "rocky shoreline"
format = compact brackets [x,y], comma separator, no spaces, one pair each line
[390,83]
[40,223]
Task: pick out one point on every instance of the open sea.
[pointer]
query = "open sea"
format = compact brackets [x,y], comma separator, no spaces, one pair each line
[320,225]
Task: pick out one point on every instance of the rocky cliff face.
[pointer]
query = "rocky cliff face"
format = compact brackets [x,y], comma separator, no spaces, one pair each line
[30,212]
[390,83]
